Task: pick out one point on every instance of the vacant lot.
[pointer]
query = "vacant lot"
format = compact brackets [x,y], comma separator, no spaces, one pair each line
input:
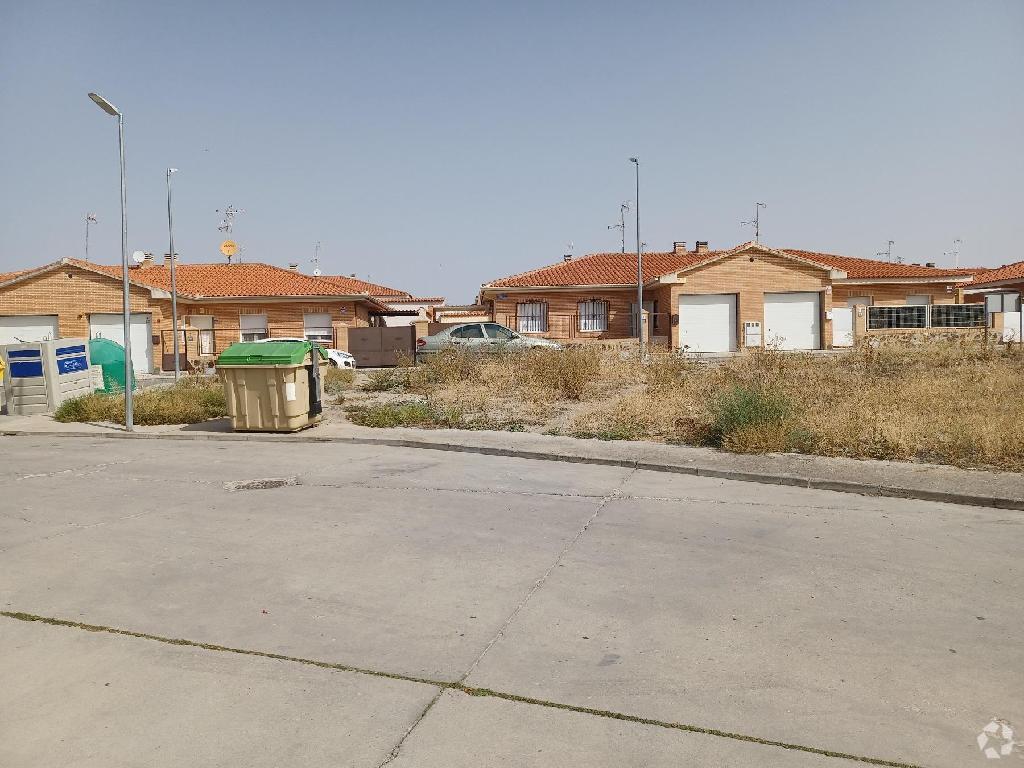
[944,402]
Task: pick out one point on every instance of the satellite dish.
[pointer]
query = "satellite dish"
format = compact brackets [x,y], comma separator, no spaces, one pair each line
[138,256]
[317,273]
[229,247]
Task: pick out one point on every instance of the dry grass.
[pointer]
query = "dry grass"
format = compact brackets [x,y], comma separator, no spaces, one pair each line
[945,402]
[338,380]
[191,400]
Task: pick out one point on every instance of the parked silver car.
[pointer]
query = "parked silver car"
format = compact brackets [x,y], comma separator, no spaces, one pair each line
[479,335]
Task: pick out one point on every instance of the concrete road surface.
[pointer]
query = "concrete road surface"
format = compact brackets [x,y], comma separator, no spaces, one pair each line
[171,603]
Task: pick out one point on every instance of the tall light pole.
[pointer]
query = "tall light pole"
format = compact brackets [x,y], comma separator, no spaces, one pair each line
[90,218]
[639,263]
[174,282]
[111,110]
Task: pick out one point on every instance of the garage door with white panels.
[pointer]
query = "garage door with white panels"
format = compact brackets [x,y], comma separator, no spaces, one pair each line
[17,329]
[792,320]
[111,326]
[707,322]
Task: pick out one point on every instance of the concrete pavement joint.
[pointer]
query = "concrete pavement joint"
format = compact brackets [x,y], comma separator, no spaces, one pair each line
[444,685]
[764,478]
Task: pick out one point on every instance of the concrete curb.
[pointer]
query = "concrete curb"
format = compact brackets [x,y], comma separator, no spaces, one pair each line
[764,478]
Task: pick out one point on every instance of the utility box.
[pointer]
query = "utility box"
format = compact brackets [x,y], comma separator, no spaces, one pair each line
[42,375]
[273,386]
[752,334]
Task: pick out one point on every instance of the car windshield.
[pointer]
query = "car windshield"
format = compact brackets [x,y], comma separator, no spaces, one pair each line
[495,331]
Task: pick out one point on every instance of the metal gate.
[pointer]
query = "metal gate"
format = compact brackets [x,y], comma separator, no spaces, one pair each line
[377,347]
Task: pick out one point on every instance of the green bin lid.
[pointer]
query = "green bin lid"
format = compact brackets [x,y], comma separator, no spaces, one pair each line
[267,353]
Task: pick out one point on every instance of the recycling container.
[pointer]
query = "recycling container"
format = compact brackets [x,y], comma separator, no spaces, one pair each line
[273,386]
[41,375]
[109,357]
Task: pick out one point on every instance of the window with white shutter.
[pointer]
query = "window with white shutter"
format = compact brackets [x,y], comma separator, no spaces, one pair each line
[593,315]
[532,317]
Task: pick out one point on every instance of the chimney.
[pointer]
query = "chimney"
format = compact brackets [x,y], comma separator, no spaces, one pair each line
[679,246]
[167,259]
[353,274]
[147,261]
[294,267]
[930,264]
[702,246]
[567,257]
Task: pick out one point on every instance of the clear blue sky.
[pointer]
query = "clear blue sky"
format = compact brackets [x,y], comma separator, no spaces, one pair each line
[434,146]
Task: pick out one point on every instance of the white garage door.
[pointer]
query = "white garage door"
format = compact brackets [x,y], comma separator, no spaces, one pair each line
[112,327]
[791,321]
[708,323]
[15,329]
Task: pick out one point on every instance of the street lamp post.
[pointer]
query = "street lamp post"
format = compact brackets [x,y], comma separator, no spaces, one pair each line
[111,110]
[174,283]
[639,263]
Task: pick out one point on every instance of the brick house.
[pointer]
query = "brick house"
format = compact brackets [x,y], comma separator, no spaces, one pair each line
[706,300]
[1001,289]
[218,304]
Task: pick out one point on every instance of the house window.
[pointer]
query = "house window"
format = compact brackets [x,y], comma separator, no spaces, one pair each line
[532,317]
[253,327]
[1002,302]
[203,324]
[316,326]
[593,315]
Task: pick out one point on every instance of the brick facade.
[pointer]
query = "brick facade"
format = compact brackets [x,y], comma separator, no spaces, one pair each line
[73,294]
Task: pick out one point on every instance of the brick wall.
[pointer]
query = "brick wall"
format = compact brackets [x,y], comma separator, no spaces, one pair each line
[73,294]
[892,294]
[563,310]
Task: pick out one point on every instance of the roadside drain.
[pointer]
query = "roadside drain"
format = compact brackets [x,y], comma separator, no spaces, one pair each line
[260,484]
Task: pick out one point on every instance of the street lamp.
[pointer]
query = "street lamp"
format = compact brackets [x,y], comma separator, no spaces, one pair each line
[174,283]
[639,264]
[111,110]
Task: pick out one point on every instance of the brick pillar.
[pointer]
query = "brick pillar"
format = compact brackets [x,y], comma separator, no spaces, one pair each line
[645,326]
[860,322]
[341,336]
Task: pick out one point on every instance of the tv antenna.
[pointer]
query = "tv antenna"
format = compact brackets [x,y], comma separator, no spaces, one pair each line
[755,222]
[955,253]
[316,259]
[888,253]
[90,218]
[228,221]
[621,226]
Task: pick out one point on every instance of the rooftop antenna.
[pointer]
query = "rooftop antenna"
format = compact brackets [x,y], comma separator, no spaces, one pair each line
[956,252]
[90,218]
[888,253]
[225,226]
[621,226]
[755,222]
[316,259]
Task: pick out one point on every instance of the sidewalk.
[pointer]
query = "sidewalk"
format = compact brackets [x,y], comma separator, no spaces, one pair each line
[929,482]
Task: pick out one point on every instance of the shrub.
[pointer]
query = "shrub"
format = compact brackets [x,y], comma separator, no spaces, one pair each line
[192,399]
[743,412]
[338,380]
[386,380]
[412,413]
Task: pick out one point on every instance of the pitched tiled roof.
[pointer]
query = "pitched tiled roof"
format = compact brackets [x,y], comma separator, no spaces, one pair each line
[1013,271]
[873,269]
[355,285]
[225,280]
[5,276]
[620,269]
[603,269]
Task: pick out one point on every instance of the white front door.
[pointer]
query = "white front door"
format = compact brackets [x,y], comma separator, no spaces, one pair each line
[111,326]
[842,326]
[791,321]
[707,323]
[15,329]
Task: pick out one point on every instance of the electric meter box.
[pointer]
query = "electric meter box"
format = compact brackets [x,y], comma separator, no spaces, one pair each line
[752,334]
[42,375]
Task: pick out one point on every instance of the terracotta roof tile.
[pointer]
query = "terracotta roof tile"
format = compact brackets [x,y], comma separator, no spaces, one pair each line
[5,276]
[355,285]
[855,267]
[620,269]
[226,280]
[1013,271]
[603,269]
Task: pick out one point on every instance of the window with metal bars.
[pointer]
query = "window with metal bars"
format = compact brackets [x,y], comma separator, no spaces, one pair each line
[532,317]
[593,315]
[958,315]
